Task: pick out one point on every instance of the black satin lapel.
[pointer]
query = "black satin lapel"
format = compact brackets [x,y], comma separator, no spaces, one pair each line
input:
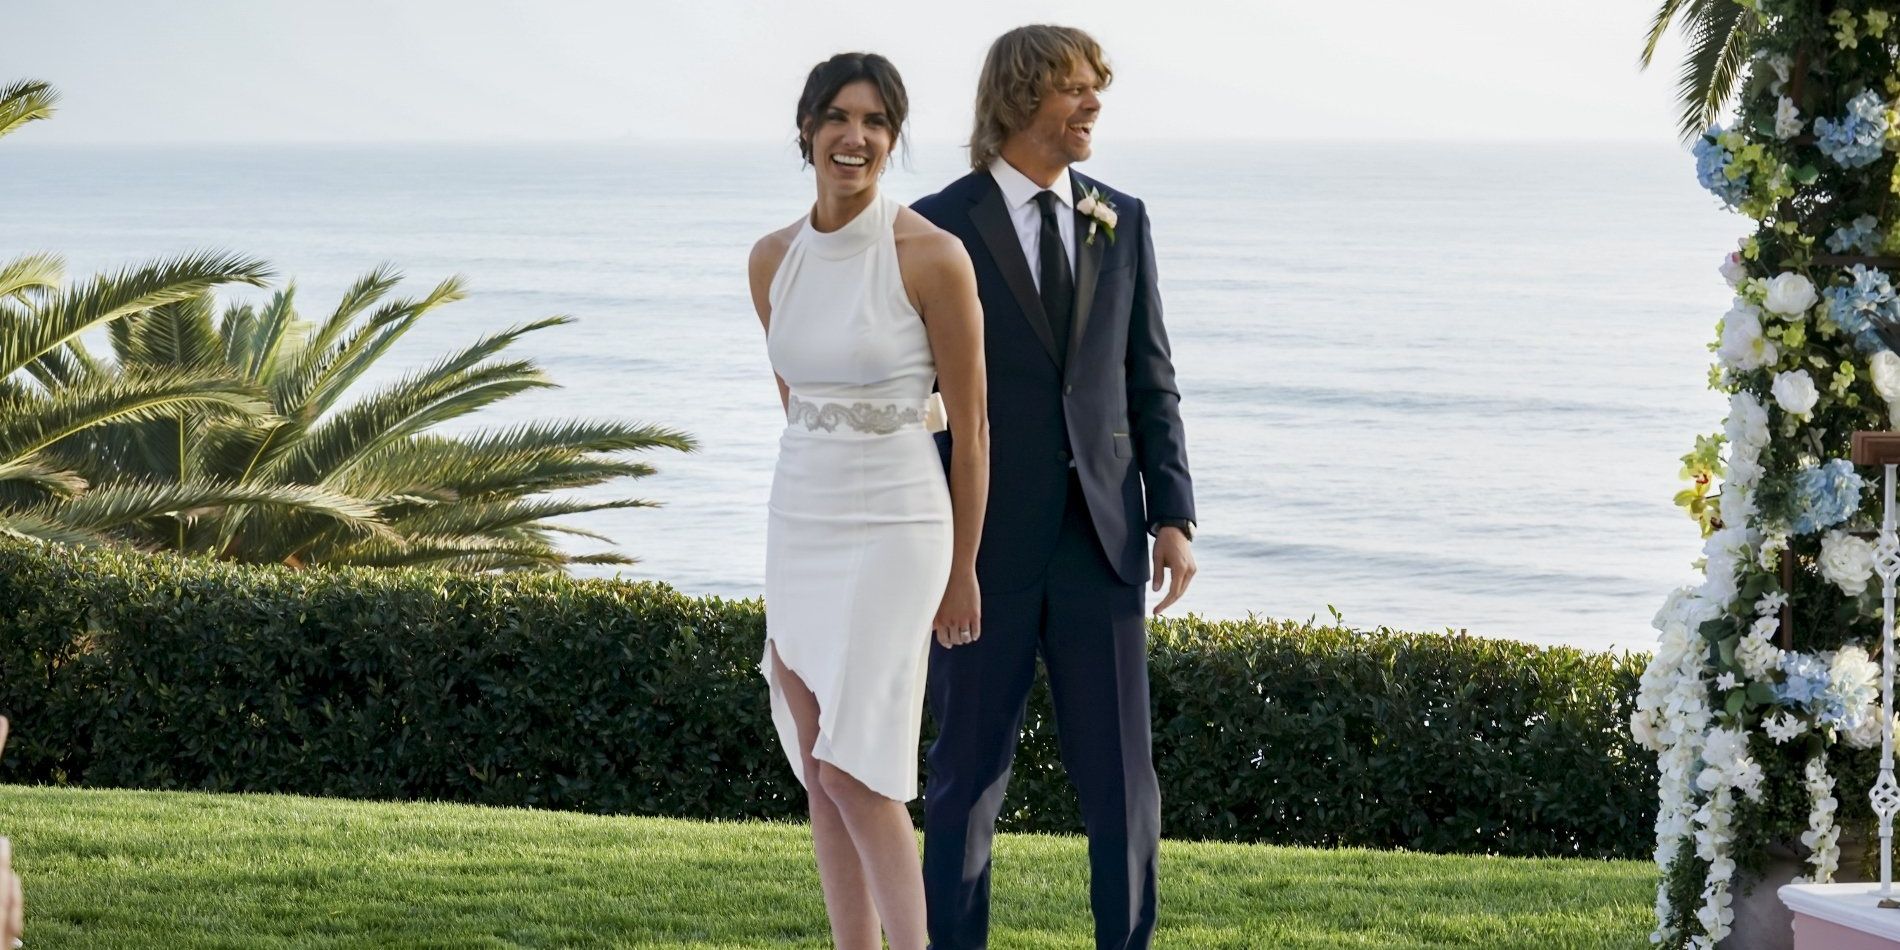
[1088,266]
[992,222]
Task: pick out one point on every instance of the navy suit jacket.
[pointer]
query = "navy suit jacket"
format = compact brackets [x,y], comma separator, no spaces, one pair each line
[1109,402]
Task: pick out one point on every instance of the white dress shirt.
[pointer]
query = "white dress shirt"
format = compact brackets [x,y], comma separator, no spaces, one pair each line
[1019,196]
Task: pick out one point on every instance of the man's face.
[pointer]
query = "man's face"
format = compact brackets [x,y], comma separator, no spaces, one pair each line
[1062,129]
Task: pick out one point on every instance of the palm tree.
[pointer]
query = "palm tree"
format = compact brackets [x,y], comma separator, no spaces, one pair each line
[1720,34]
[44,402]
[473,502]
[51,394]
[225,435]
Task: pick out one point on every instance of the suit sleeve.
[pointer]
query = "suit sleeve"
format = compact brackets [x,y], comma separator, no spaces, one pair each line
[1154,401]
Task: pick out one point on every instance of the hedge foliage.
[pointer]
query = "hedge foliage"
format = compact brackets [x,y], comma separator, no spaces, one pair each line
[603,696]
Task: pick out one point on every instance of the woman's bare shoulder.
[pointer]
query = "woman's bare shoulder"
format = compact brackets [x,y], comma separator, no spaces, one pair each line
[923,243]
[769,250]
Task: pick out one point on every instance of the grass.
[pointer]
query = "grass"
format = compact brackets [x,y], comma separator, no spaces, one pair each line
[118,869]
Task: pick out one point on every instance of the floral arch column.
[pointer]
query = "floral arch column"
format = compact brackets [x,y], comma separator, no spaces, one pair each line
[1762,699]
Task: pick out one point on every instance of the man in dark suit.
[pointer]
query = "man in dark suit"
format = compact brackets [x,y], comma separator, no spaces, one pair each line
[1088,458]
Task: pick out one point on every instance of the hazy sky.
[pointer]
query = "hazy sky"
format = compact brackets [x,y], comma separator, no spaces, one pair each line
[135,71]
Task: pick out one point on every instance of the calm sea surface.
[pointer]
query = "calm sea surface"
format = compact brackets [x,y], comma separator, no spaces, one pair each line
[1433,386]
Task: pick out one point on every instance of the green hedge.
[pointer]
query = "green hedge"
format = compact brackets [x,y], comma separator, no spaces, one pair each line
[156,672]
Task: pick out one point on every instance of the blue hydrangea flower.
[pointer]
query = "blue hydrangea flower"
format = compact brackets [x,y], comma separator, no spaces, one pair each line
[1804,679]
[1825,495]
[1861,306]
[1855,139]
[1711,169]
[1858,236]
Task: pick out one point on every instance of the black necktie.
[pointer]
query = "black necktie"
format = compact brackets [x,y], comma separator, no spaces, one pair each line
[1058,285]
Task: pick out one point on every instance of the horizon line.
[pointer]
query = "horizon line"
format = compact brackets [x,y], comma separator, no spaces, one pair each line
[27,140]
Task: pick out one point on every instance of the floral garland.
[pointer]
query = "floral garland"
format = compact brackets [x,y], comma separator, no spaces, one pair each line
[1753,729]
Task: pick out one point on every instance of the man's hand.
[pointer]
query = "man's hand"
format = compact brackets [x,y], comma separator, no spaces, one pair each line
[1172,554]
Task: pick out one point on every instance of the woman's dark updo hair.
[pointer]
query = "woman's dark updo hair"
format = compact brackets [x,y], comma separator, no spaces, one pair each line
[840,71]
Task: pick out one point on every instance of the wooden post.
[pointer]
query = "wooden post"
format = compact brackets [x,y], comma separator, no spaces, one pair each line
[1876,448]
[1787,609]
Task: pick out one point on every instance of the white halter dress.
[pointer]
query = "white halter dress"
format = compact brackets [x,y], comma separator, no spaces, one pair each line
[858,539]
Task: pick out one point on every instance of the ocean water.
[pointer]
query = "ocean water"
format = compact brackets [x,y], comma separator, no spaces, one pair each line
[1432,386]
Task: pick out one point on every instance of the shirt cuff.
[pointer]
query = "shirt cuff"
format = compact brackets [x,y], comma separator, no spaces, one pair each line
[1186,526]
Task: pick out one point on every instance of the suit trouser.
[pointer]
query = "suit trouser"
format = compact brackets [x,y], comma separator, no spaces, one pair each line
[1088,626]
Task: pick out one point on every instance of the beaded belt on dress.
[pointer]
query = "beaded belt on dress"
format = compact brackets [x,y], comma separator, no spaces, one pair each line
[872,418]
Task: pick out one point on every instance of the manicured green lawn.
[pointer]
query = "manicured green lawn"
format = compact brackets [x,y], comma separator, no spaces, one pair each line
[109,869]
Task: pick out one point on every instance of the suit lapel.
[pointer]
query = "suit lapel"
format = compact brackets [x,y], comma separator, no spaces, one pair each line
[1088,266]
[999,235]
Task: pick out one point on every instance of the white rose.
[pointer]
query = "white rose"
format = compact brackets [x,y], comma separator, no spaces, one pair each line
[1790,294]
[1108,216]
[1743,346]
[1733,270]
[1847,561]
[1866,735]
[1886,372]
[1787,119]
[1795,393]
[1086,205]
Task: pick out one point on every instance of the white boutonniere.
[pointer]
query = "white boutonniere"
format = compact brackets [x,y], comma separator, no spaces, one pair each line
[1101,215]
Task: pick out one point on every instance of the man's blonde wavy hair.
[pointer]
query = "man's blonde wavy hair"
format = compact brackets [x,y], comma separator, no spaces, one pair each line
[1022,65]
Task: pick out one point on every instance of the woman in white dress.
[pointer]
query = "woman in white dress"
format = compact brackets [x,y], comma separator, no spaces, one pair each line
[869,553]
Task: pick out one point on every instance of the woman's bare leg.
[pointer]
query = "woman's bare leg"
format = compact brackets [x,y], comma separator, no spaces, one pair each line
[848,898]
[887,849]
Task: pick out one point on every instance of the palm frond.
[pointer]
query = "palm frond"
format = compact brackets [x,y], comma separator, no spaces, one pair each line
[578,533]
[28,429]
[454,553]
[31,273]
[482,517]
[68,313]
[266,348]
[1718,49]
[108,507]
[181,334]
[368,289]
[580,435]
[408,407]
[237,327]
[519,460]
[348,370]
[327,369]
[28,100]
[41,477]
[511,477]
[1659,27]
[36,525]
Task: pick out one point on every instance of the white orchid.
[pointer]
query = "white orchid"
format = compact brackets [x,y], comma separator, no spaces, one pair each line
[1788,122]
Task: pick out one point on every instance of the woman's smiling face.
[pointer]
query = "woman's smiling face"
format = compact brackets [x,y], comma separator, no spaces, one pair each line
[852,138]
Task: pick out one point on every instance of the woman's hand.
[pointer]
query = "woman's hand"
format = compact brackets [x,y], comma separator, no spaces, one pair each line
[960,616]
